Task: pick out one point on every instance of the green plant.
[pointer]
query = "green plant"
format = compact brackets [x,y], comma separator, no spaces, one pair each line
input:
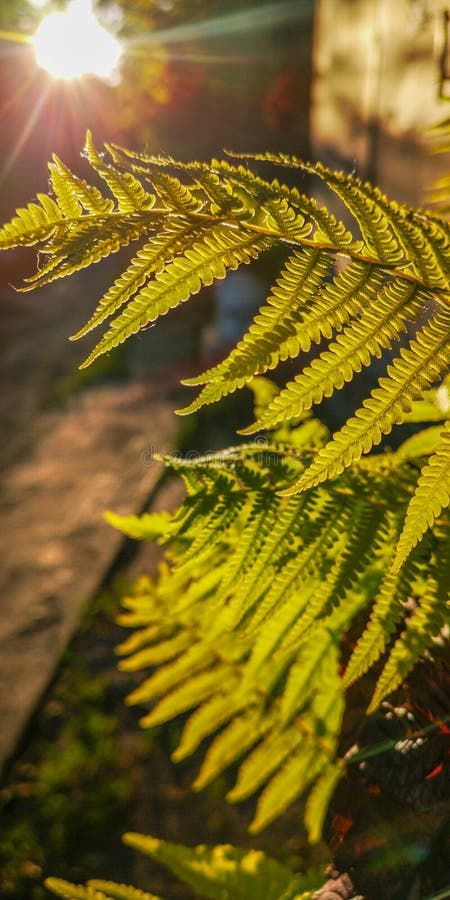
[216,872]
[282,549]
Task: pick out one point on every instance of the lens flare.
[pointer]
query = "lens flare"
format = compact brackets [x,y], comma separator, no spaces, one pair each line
[73,43]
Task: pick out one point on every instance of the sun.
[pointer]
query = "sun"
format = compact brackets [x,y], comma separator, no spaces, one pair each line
[73,43]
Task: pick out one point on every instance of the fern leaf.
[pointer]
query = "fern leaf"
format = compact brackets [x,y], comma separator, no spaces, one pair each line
[88,243]
[359,342]
[234,741]
[30,225]
[208,259]
[427,619]
[371,210]
[126,189]
[426,245]
[224,872]
[420,444]
[366,203]
[276,528]
[71,891]
[353,289]
[262,513]
[277,520]
[198,658]
[89,197]
[96,890]
[273,335]
[317,662]
[120,891]
[174,194]
[394,233]
[386,613]
[332,306]
[262,762]
[296,774]
[186,696]
[66,197]
[422,242]
[146,527]
[319,800]
[297,578]
[157,654]
[362,533]
[431,497]
[141,638]
[409,375]
[319,726]
[207,719]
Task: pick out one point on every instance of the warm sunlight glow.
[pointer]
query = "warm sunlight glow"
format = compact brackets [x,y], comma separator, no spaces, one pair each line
[73,43]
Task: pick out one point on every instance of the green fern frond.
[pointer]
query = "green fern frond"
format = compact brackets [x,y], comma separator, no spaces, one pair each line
[421,444]
[149,526]
[120,891]
[96,889]
[187,696]
[174,194]
[276,529]
[195,661]
[206,720]
[211,217]
[363,535]
[158,653]
[310,316]
[253,651]
[85,246]
[354,348]
[66,197]
[222,872]
[416,368]
[155,254]
[88,196]
[387,611]
[231,744]
[225,872]
[208,259]
[30,225]
[394,233]
[274,335]
[425,622]
[282,790]
[431,497]
[126,189]
[292,588]
[319,800]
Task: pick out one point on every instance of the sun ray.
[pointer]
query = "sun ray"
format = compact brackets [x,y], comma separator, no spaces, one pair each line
[268,16]
[24,135]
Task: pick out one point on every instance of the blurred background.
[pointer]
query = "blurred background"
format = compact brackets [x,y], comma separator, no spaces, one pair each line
[356,83]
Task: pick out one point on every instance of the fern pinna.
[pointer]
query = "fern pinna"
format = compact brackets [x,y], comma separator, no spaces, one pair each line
[246,625]
[362,290]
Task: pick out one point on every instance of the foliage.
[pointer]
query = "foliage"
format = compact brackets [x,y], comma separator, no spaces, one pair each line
[283,552]
[222,872]
[395,273]
[247,624]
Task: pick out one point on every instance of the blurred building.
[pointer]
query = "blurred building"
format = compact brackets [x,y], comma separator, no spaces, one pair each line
[381,69]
